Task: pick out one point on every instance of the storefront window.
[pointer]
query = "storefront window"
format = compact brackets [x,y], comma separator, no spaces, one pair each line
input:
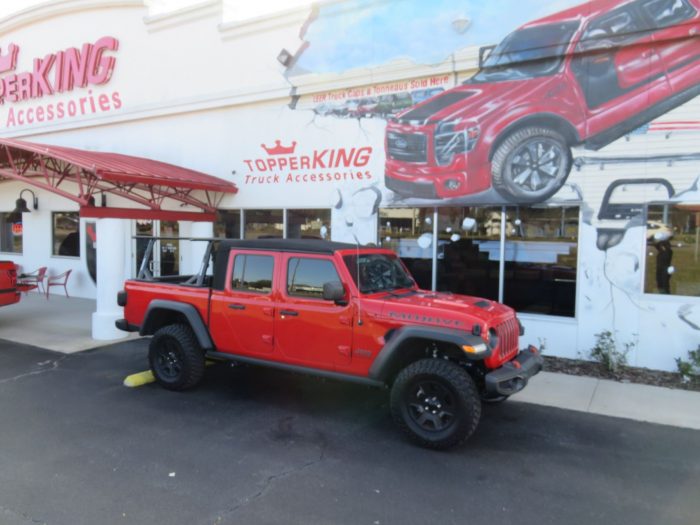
[66,233]
[264,224]
[673,250]
[409,232]
[309,224]
[541,254]
[469,240]
[10,233]
[228,224]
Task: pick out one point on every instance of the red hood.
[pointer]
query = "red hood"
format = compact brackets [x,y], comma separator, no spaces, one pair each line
[442,309]
[473,101]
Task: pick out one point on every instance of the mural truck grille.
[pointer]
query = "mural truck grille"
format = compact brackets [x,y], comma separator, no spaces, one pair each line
[508,339]
[407,147]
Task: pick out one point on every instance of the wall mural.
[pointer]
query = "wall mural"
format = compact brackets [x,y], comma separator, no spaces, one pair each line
[587,104]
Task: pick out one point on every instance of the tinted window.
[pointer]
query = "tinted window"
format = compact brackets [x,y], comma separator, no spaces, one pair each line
[664,13]
[610,30]
[378,272]
[306,277]
[252,273]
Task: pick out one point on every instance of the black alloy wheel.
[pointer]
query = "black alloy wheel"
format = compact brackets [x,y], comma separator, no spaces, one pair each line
[435,403]
[175,357]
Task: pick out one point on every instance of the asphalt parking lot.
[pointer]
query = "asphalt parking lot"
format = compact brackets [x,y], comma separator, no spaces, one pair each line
[260,446]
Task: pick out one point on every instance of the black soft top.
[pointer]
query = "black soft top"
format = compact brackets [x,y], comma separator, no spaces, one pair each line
[273,245]
[286,245]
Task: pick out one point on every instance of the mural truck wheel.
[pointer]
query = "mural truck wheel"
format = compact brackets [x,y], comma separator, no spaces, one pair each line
[531,165]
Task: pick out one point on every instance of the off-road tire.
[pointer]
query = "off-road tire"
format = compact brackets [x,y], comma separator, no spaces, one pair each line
[175,357]
[459,397]
[509,166]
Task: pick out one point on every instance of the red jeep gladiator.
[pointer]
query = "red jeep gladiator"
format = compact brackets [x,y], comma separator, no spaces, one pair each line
[338,311]
[587,75]
[9,293]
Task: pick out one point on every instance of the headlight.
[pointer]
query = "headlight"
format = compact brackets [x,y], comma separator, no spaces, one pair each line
[452,138]
[493,338]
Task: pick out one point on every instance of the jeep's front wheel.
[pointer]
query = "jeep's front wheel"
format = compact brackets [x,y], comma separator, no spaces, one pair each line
[435,402]
[531,164]
[175,357]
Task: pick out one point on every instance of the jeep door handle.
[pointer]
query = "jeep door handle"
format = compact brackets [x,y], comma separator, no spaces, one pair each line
[291,313]
[237,306]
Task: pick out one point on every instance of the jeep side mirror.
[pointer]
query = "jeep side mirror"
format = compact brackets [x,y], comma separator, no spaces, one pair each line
[334,291]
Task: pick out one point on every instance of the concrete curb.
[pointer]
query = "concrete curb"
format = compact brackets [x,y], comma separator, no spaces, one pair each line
[651,404]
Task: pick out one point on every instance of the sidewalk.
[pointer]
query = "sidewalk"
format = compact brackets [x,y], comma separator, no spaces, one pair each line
[60,324]
[652,404]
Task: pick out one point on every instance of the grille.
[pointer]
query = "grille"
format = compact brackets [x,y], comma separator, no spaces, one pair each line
[508,339]
[407,147]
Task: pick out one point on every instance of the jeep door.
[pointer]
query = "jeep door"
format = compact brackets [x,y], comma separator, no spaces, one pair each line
[619,69]
[309,330]
[242,315]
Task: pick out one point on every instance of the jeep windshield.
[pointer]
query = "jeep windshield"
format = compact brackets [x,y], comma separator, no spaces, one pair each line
[527,53]
[378,272]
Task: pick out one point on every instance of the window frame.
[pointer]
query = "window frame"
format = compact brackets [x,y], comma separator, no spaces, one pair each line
[53,234]
[288,262]
[234,256]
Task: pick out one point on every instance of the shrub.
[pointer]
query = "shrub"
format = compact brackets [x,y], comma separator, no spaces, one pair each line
[606,351]
[689,369]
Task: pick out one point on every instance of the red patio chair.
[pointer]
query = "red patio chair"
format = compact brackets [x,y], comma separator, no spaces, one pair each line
[31,280]
[58,280]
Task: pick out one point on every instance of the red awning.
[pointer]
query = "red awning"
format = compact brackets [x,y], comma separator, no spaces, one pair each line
[85,176]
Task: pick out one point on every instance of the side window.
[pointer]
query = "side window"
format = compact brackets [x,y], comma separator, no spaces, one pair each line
[611,30]
[306,277]
[665,13]
[252,273]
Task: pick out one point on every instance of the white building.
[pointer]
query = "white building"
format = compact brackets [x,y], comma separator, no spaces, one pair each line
[292,109]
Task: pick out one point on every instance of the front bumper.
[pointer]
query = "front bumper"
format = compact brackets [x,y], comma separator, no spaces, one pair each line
[513,376]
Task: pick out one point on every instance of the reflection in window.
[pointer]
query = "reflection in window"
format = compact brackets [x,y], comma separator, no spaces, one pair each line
[264,224]
[309,224]
[252,273]
[673,250]
[409,232]
[466,262]
[306,277]
[66,234]
[10,232]
[540,256]
[228,224]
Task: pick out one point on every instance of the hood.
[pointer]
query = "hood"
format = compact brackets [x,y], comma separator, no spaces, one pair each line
[443,309]
[473,100]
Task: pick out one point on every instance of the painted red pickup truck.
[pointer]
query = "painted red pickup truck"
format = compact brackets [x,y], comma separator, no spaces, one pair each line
[583,76]
[340,311]
[9,293]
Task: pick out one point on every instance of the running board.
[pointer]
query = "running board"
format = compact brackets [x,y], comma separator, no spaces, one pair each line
[294,368]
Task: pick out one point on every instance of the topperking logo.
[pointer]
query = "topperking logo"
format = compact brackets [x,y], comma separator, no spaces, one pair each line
[62,72]
[284,165]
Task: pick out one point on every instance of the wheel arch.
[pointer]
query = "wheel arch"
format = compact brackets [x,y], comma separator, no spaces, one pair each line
[408,344]
[161,313]
[548,120]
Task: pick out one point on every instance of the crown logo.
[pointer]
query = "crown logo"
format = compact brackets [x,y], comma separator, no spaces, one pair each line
[279,149]
[8,62]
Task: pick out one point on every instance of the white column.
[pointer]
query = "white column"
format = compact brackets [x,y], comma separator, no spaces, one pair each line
[110,278]
[199,230]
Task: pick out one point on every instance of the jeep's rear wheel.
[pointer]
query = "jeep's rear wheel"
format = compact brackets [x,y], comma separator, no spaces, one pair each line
[435,402]
[531,164]
[176,360]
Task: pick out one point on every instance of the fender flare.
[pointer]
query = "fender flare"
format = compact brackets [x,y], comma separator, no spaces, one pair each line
[389,357]
[158,306]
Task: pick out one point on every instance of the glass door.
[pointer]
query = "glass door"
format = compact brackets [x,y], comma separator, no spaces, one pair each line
[165,259]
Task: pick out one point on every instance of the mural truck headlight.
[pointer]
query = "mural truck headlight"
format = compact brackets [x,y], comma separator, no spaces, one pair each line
[454,137]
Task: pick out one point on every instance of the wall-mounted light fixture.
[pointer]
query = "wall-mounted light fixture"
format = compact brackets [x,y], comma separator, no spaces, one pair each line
[284,57]
[21,206]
